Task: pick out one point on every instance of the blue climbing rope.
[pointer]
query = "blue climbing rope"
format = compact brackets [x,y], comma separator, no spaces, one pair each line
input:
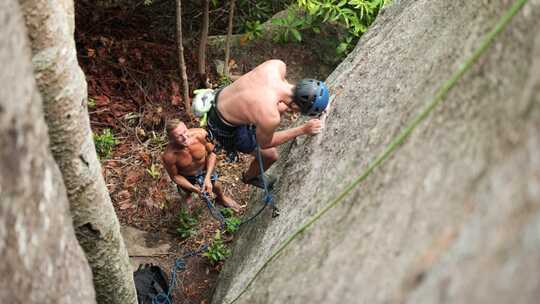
[179,265]
[268,198]
[213,209]
[165,298]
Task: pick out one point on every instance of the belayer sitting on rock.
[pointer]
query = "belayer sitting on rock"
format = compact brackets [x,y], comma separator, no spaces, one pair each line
[248,112]
[190,161]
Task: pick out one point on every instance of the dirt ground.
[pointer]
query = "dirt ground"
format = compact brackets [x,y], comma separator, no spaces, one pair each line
[134,88]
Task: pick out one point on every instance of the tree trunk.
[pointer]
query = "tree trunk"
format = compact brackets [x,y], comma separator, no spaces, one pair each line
[181,61]
[228,40]
[62,84]
[202,44]
[41,259]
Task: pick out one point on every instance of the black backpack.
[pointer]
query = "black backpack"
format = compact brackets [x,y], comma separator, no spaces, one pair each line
[150,281]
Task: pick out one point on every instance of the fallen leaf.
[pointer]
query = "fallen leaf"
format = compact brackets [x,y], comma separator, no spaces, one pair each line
[102,100]
[102,52]
[123,205]
[124,195]
[132,178]
[176,100]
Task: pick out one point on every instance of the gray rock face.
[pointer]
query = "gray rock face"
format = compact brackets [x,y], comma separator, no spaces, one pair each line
[454,215]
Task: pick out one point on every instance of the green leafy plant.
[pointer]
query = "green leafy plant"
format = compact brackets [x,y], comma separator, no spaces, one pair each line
[154,171]
[217,251]
[186,224]
[104,143]
[354,16]
[250,10]
[232,223]
[91,103]
[289,27]
[253,30]
[345,45]
[224,81]
[226,212]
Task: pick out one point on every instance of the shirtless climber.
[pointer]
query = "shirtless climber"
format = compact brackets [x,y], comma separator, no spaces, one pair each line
[254,104]
[189,159]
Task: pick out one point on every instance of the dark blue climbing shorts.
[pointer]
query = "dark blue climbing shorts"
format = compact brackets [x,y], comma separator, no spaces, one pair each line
[199,178]
[244,139]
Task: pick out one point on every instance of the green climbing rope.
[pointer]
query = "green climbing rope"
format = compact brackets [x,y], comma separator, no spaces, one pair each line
[437,99]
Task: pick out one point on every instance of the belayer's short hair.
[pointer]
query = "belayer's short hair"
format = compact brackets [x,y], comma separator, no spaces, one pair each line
[171,125]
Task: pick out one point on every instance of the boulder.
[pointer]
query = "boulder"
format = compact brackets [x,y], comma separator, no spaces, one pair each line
[453,216]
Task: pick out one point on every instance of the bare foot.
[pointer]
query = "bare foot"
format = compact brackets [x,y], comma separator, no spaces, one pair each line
[230,203]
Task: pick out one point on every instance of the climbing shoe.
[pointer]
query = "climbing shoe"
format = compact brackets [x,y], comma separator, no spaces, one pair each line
[258,182]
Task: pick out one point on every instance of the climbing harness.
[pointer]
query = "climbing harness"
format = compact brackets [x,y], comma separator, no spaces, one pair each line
[402,136]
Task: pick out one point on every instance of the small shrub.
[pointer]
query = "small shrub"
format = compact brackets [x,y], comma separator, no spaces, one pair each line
[154,171]
[226,212]
[91,103]
[104,143]
[224,81]
[289,28]
[232,223]
[217,251]
[354,16]
[186,224]
[253,30]
[261,10]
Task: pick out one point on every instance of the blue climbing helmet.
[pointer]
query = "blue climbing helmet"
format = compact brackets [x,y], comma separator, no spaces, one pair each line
[311,96]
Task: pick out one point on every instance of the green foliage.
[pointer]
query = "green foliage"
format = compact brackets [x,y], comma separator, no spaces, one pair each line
[253,30]
[224,81]
[290,27]
[186,224]
[154,171]
[227,212]
[232,223]
[249,11]
[345,45]
[217,251]
[91,103]
[354,15]
[104,143]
